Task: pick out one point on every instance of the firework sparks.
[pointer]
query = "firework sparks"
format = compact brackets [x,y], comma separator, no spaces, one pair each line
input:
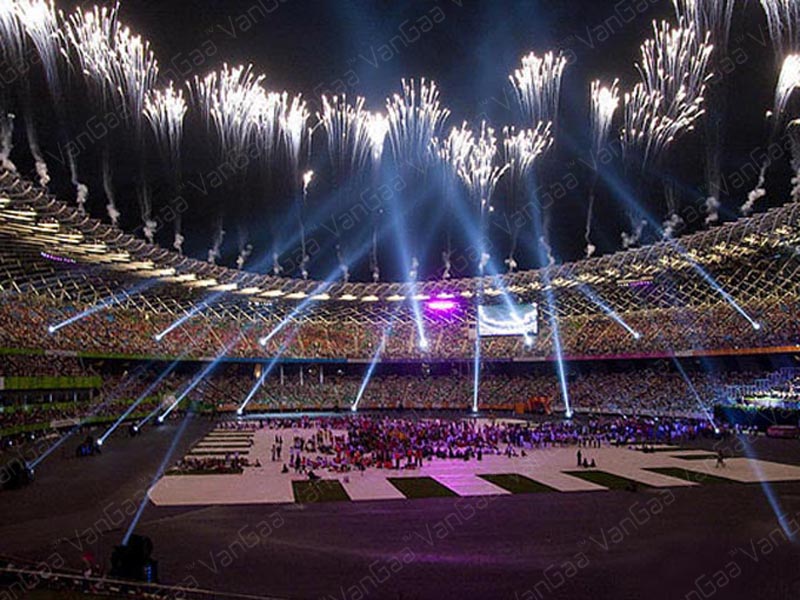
[669,99]
[480,174]
[39,20]
[165,110]
[137,72]
[377,129]
[783,20]
[675,63]
[537,84]
[294,128]
[456,148]
[788,82]
[416,117]
[347,130]
[521,150]
[267,114]
[91,35]
[231,102]
[713,17]
[605,102]
[13,46]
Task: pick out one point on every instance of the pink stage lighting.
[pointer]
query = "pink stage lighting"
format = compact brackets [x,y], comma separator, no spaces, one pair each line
[442,305]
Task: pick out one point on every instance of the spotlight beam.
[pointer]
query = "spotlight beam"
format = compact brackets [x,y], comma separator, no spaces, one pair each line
[553,317]
[300,308]
[194,311]
[194,383]
[150,389]
[586,291]
[162,467]
[270,367]
[373,364]
[689,383]
[59,442]
[102,305]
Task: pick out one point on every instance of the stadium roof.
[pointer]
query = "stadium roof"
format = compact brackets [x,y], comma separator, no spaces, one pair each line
[47,247]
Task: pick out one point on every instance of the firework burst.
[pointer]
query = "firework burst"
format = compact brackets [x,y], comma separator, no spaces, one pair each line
[537,86]
[347,132]
[521,150]
[416,117]
[669,98]
[11,30]
[40,22]
[783,20]
[231,102]
[166,110]
[605,103]
[788,82]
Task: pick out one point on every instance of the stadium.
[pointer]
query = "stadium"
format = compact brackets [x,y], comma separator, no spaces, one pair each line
[381,337]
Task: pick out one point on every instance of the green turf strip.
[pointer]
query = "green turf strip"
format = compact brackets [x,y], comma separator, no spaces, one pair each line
[696,457]
[693,476]
[421,487]
[323,490]
[517,484]
[608,480]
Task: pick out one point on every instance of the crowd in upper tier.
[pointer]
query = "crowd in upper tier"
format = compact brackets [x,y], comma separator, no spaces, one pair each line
[24,323]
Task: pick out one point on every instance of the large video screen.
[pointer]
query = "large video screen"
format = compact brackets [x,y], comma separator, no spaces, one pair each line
[508,320]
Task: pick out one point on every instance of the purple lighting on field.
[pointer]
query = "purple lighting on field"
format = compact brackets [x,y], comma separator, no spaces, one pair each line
[442,305]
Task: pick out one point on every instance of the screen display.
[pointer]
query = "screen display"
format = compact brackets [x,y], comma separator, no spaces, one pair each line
[502,319]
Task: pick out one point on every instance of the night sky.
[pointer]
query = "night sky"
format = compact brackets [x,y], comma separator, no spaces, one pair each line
[327,46]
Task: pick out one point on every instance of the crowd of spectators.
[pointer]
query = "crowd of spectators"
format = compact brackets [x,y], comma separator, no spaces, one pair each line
[115,331]
[651,391]
[657,390]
